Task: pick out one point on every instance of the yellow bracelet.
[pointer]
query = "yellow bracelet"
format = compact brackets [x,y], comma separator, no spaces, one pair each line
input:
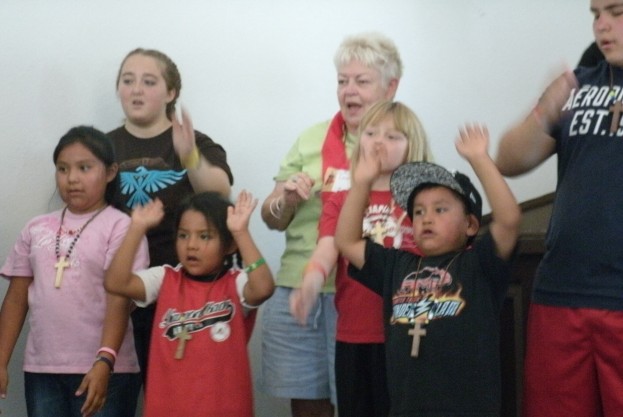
[255,265]
[192,160]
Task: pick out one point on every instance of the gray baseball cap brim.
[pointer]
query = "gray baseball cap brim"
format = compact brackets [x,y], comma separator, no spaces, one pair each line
[412,175]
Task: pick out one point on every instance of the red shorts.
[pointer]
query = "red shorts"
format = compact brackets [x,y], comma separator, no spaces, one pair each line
[574,362]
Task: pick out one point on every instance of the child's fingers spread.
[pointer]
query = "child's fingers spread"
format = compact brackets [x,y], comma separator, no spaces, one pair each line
[240,198]
[463,135]
[246,200]
[472,131]
[248,197]
[244,197]
[465,130]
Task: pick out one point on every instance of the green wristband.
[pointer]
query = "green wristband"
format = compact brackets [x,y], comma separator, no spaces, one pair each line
[255,265]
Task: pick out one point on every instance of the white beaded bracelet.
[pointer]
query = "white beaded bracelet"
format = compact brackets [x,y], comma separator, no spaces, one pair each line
[276,210]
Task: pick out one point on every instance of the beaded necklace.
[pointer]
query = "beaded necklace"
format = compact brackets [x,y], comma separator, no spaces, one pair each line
[62,261]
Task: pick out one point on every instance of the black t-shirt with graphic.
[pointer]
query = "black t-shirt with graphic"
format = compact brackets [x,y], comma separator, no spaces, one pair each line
[457,298]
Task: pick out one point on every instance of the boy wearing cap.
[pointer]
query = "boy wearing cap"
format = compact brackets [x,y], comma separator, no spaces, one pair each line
[441,310]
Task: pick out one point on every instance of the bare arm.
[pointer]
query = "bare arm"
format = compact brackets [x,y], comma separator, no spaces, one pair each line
[12,316]
[119,279]
[320,264]
[472,144]
[260,285]
[523,148]
[279,208]
[348,236]
[203,176]
[528,144]
[95,382]
[208,177]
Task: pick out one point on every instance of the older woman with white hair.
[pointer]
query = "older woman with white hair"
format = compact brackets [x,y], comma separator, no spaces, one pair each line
[298,361]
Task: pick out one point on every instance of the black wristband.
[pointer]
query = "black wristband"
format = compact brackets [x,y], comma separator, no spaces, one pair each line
[107,361]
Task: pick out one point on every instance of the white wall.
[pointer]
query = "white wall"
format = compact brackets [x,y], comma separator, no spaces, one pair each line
[255,73]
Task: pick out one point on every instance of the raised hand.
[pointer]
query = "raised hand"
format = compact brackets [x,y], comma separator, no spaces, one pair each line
[183,135]
[369,164]
[148,215]
[238,216]
[472,141]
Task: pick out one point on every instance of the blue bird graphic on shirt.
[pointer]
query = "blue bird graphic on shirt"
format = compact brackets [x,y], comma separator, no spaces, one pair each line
[138,184]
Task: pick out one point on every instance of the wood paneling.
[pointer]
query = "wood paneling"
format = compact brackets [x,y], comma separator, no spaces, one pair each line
[530,249]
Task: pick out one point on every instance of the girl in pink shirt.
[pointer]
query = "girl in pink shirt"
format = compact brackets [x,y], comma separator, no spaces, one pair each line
[78,332]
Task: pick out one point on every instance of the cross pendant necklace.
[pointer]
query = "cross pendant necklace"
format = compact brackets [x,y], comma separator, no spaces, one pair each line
[182,337]
[62,262]
[60,265]
[418,331]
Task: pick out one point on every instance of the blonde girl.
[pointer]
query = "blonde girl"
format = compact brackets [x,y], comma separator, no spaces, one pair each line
[394,130]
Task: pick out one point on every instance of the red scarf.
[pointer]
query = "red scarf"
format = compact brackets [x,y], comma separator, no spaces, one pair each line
[334,156]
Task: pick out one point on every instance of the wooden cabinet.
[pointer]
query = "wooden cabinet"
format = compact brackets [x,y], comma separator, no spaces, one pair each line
[531,246]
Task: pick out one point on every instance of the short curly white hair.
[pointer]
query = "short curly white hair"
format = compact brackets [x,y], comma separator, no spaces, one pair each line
[373,50]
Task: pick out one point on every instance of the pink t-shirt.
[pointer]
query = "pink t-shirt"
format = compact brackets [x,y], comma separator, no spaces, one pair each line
[66,323]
